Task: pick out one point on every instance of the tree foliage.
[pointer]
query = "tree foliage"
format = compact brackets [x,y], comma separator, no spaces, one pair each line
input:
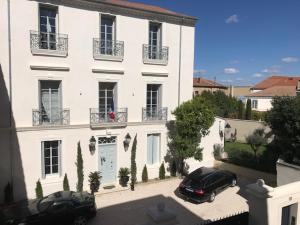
[284,120]
[79,165]
[248,110]
[241,109]
[223,105]
[39,190]
[145,174]
[256,140]
[162,171]
[133,162]
[66,185]
[193,120]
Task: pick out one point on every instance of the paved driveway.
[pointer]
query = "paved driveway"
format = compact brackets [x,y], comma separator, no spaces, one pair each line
[129,207]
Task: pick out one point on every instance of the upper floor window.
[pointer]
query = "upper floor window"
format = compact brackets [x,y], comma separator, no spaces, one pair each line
[107,34]
[154,40]
[48,27]
[153,97]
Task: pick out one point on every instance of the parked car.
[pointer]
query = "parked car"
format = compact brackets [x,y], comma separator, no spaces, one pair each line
[64,207]
[201,186]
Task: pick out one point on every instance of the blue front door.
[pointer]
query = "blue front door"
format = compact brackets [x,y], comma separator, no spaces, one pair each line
[107,159]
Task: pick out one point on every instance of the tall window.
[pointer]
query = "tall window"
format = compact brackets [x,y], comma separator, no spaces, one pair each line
[153,146]
[154,40]
[153,99]
[48,27]
[107,93]
[50,101]
[254,104]
[51,157]
[107,34]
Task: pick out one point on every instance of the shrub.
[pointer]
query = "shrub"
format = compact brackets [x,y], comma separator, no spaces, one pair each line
[173,168]
[259,116]
[124,172]
[39,190]
[145,174]
[66,185]
[256,140]
[133,163]
[8,193]
[79,165]
[94,180]
[162,172]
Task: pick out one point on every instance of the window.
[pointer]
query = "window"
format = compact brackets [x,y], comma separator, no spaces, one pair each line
[51,157]
[48,27]
[254,104]
[153,100]
[153,146]
[154,40]
[107,101]
[107,34]
[50,102]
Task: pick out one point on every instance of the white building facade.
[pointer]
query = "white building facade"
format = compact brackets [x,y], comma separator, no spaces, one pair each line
[76,70]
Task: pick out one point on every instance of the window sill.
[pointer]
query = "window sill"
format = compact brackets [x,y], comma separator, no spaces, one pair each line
[47,52]
[156,62]
[109,58]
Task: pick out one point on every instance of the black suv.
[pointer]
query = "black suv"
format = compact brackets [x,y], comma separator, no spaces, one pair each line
[201,186]
[64,207]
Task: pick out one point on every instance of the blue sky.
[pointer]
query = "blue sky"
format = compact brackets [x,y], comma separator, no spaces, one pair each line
[243,41]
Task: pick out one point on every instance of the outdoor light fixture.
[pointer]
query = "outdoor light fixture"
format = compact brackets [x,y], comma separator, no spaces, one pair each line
[126,142]
[92,145]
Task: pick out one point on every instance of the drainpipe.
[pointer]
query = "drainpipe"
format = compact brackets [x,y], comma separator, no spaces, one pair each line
[179,68]
[10,93]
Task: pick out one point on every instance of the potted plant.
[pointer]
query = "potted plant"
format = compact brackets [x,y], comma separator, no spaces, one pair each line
[94,180]
[124,176]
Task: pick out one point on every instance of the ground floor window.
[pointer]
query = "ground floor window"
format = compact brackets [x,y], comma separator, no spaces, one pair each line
[153,147]
[51,157]
[254,104]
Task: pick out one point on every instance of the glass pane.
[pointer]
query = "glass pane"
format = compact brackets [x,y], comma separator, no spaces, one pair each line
[55,169]
[47,161]
[55,151]
[54,160]
[47,152]
[47,169]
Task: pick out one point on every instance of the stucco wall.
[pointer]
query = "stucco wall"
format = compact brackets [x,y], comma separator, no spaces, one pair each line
[287,173]
[263,103]
[244,128]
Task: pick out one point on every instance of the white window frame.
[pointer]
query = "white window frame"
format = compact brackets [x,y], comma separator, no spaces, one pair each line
[113,33]
[59,159]
[154,49]
[158,153]
[254,103]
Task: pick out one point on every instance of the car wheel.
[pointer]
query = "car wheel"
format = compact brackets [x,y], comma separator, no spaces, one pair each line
[80,220]
[233,183]
[212,197]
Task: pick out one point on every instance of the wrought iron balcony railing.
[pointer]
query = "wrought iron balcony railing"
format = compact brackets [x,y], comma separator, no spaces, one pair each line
[155,54]
[99,116]
[109,50]
[52,118]
[48,43]
[155,114]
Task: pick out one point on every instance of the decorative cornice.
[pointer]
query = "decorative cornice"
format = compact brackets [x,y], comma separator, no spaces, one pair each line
[50,68]
[101,6]
[121,72]
[155,74]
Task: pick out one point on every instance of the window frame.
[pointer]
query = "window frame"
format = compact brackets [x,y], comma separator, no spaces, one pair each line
[113,33]
[158,150]
[254,103]
[154,49]
[59,157]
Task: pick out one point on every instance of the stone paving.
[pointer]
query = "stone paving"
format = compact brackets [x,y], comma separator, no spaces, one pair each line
[130,207]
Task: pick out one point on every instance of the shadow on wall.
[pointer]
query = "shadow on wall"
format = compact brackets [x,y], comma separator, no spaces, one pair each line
[135,212]
[10,156]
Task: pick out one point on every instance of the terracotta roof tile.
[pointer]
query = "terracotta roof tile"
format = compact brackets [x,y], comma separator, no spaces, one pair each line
[277,81]
[275,91]
[201,82]
[141,6]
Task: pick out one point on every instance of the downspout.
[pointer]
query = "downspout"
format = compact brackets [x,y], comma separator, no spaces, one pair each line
[10,94]
[179,68]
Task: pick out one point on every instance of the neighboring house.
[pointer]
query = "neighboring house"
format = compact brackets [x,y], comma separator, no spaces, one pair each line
[239,92]
[262,93]
[201,84]
[90,71]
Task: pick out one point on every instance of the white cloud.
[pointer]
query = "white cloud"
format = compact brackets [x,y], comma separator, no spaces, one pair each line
[257,75]
[231,70]
[200,72]
[289,59]
[232,19]
[272,69]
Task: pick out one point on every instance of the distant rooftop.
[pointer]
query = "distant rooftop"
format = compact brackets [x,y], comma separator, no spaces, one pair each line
[275,91]
[202,82]
[277,81]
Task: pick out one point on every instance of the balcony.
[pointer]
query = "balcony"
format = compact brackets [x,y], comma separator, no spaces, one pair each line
[48,44]
[102,118]
[155,54]
[108,50]
[155,114]
[53,118]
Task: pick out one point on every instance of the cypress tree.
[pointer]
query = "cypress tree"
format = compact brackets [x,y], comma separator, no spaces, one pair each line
[79,165]
[66,183]
[248,110]
[145,174]
[39,190]
[241,108]
[133,162]
[162,171]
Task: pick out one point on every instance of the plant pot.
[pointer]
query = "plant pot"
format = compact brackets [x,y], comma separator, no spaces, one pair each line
[124,180]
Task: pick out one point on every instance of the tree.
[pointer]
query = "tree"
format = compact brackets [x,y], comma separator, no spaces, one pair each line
[241,109]
[133,163]
[79,165]
[39,190]
[173,168]
[256,140]
[193,120]
[145,174]
[162,171]
[248,110]
[66,185]
[284,121]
